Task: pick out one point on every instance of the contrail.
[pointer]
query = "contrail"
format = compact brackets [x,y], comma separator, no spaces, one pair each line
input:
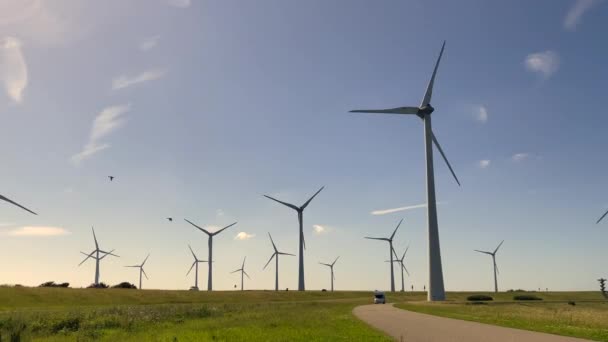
[394,210]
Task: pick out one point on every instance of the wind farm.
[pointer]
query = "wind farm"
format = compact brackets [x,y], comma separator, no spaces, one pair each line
[184,136]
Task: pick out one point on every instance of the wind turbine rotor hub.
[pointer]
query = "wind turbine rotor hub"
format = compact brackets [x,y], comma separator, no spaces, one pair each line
[426,110]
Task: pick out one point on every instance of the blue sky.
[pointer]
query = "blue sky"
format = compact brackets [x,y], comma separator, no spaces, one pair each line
[201,107]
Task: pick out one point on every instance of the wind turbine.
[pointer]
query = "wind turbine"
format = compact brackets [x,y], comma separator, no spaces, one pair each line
[390,252]
[242,270]
[17,204]
[302,245]
[98,255]
[276,256]
[601,218]
[436,287]
[402,266]
[493,254]
[331,267]
[211,235]
[195,265]
[141,270]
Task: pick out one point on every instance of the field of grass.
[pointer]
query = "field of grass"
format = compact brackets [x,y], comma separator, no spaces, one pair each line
[588,318]
[58,314]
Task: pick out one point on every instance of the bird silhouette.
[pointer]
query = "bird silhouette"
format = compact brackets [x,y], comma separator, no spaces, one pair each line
[170,219]
[111,178]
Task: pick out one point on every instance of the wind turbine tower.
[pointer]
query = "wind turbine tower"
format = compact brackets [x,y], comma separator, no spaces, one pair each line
[195,265]
[331,268]
[276,256]
[242,270]
[493,255]
[141,270]
[424,111]
[210,242]
[98,255]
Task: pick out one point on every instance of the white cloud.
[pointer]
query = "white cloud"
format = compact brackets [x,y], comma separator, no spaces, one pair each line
[575,13]
[545,63]
[13,70]
[318,229]
[484,163]
[180,3]
[107,121]
[123,81]
[394,210]
[481,114]
[149,43]
[38,231]
[518,157]
[243,236]
[219,212]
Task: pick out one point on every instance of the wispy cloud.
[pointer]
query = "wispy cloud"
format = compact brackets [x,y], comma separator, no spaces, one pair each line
[484,163]
[244,236]
[124,81]
[149,43]
[519,157]
[575,13]
[180,3]
[13,70]
[38,231]
[544,63]
[481,114]
[394,210]
[107,121]
[318,229]
[219,212]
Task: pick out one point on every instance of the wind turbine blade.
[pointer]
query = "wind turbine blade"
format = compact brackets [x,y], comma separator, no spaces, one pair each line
[333,263]
[221,230]
[245,273]
[145,275]
[283,203]
[445,158]
[303,240]
[399,110]
[236,271]
[328,265]
[395,231]
[496,250]
[108,253]
[191,267]
[194,255]
[406,271]
[310,199]
[132,266]
[394,253]
[273,245]
[85,259]
[281,253]
[496,268]
[201,229]
[429,89]
[243,267]
[95,238]
[374,238]
[146,259]
[403,257]
[17,204]
[601,218]
[484,252]
[269,260]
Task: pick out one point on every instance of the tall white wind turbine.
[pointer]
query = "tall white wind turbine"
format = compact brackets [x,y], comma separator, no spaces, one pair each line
[210,241]
[493,255]
[16,204]
[195,265]
[302,245]
[141,270]
[331,268]
[98,255]
[242,270]
[424,111]
[401,266]
[276,256]
[390,252]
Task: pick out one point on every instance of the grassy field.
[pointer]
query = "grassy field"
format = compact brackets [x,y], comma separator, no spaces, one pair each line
[588,318]
[57,314]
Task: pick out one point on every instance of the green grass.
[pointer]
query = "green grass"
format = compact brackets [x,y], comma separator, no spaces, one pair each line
[58,314]
[587,319]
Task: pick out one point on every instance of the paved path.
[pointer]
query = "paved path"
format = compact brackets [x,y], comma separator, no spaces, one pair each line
[408,326]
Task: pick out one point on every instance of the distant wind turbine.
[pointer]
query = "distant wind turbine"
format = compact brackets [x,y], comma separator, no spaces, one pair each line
[211,235]
[493,254]
[98,255]
[242,270]
[276,256]
[401,266]
[195,265]
[331,268]
[302,245]
[390,252]
[601,218]
[141,270]
[17,204]
[436,286]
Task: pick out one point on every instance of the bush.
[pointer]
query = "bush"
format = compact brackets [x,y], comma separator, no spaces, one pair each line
[124,285]
[101,285]
[526,297]
[479,297]
[53,284]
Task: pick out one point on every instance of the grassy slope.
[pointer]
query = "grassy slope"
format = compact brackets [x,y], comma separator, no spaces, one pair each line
[587,319]
[55,314]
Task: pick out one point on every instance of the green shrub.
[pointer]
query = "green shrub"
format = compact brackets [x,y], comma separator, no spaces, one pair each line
[479,297]
[124,285]
[526,297]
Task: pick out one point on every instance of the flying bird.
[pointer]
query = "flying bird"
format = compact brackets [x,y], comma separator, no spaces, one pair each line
[170,219]
[111,178]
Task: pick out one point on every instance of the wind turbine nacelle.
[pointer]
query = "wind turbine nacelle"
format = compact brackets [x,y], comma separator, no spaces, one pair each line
[428,109]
